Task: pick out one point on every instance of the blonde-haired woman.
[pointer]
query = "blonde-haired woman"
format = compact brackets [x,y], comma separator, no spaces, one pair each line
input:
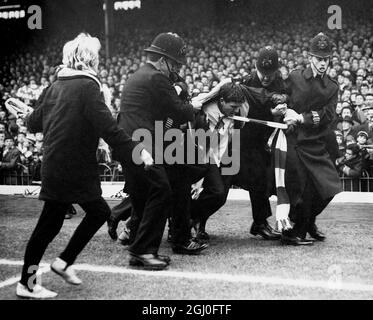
[72,116]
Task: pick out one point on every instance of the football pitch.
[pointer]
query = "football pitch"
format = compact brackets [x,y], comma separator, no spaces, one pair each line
[236,266]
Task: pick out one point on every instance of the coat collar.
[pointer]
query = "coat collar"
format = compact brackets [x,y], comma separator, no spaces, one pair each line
[65,72]
[308,74]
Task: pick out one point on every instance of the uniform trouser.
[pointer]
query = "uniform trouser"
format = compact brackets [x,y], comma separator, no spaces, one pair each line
[311,205]
[260,206]
[151,198]
[49,225]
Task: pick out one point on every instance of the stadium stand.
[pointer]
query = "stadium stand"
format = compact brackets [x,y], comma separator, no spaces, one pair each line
[226,48]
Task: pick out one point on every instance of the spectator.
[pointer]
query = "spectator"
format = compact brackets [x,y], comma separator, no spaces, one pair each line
[9,161]
[347,127]
[350,164]
[367,126]
[366,151]
[341,143]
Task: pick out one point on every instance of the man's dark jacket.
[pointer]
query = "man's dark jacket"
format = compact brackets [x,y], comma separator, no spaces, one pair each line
[73,116]
[10,159]
[149,96]
[255,157]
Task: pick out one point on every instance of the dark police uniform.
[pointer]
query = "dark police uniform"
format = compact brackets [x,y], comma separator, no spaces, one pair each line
[255,158]
[149,96]
[311,178]
[255,161]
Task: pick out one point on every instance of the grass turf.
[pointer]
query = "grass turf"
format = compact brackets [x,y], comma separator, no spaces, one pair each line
[232,251]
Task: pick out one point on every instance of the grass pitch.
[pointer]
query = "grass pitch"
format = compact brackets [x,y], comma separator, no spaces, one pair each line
[276,271]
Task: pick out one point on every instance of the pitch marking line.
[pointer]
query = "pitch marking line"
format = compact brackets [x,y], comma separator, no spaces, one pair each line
[44,268]
[328,285]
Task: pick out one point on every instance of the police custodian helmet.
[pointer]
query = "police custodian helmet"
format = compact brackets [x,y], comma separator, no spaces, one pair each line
[267,62]
[170,45]
[321,46]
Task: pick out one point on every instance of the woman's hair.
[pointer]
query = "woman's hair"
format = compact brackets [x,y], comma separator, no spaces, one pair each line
[82,52]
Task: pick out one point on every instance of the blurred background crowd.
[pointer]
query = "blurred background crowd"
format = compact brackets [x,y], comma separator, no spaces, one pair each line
[225,45]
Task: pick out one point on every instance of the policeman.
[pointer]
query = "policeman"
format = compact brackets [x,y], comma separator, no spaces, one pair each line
[311,178]
[255,163]
[147,97]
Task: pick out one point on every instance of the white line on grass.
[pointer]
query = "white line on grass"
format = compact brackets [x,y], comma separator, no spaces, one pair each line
[10,281]
[44,268]
[328,285]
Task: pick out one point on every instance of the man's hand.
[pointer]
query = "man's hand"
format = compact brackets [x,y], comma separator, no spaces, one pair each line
[279,110]
[292,117]
[146,158]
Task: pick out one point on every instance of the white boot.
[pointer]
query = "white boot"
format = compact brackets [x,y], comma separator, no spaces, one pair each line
[66,272]
[38,292]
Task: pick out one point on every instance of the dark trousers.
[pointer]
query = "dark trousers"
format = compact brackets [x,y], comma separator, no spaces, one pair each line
[49,225]
[123,210]
[213,196]
[180,178]
[181,199]
[260,206]
[151,196]
[311,205]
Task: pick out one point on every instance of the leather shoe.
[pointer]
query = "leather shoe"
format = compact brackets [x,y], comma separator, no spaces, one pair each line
[166,259]
[112,228]
[202,236]
[316,234]
[192,247]
[262,230]
[288,238]
[274,231]
[147,261]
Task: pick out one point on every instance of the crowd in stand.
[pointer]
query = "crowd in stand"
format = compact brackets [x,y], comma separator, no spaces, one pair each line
[224,50]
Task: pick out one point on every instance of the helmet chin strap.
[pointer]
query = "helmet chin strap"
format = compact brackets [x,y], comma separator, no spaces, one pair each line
[317,70]
[174,76]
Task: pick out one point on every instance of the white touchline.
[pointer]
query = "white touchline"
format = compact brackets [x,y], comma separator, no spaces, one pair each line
[44,268]
[328,285]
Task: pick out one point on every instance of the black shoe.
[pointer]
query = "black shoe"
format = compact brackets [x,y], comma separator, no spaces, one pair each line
[270,229]
[262,230]
[112,225]
[147,261]
[316,234]
[288,238]
[166,259]
[202,236]
[191,247]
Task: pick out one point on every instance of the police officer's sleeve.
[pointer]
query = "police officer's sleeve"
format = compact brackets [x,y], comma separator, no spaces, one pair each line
[170,101]
[321,115]
[259,96]
[99,116]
